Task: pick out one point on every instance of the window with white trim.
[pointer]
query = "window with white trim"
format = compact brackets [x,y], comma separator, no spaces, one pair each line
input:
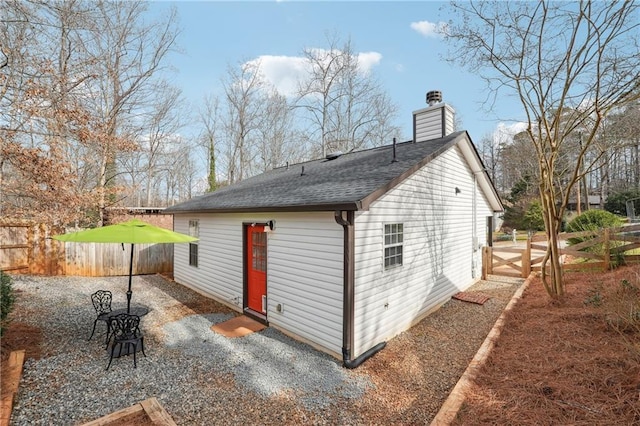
[194,231]
[393,237]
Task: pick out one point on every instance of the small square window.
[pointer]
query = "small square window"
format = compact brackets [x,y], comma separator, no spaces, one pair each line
[393,239]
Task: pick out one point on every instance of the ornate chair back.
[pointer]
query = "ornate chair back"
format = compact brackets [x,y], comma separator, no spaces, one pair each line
[125,332]
[124,327]
[101,300]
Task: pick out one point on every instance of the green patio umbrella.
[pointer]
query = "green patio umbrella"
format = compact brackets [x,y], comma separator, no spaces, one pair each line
[131,232]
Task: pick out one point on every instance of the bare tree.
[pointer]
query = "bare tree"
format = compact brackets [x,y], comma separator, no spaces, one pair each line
[344,104]
[244,91]
[277,143]
[490,154]
[76,77]
[624,148]
[129,52]
[570,64]
[44,125]
[209,118]
[181,179]
[164,124]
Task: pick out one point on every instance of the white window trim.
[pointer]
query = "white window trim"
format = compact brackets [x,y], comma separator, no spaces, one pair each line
[194,231]
[390,245]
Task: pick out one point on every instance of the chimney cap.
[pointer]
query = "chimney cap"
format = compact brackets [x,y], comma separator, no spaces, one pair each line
[433,97]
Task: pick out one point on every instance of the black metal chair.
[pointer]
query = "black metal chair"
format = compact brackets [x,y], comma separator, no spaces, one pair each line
[101,300]
[125,333]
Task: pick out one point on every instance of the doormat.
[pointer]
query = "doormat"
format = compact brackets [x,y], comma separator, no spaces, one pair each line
[238,326]
[478,298]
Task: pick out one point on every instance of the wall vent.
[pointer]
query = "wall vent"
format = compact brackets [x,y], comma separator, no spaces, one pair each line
[434,97]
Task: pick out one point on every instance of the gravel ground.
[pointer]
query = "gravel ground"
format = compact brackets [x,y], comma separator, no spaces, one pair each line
[202,378]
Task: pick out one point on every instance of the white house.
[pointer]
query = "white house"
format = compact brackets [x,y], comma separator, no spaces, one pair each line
[347,251]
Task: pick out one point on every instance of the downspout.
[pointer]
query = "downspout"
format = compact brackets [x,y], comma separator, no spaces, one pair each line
[348,304]
[474,228]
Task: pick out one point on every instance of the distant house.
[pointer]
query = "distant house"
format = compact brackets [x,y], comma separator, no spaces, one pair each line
[348,251]
[152,215]
[594,203]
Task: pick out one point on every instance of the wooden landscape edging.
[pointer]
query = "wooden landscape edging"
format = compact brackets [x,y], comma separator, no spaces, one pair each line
[12,381]
[151,408]
[449,410]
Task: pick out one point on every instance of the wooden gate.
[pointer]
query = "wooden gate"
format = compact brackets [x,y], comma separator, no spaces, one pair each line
[506,261]
[514,261]
[580,250]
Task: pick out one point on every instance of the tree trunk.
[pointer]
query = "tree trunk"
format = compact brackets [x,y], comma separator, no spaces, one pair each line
[551,278]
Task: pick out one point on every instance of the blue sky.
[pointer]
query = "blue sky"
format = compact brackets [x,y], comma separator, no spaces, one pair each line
[394,39]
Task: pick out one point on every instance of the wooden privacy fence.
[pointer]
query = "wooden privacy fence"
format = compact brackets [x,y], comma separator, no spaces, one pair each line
[581,250]
[107,259]
[28,248]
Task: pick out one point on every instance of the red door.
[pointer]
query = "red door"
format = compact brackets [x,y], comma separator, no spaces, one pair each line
[257,269]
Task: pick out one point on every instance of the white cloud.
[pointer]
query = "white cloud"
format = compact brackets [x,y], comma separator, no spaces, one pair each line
[429,29]
[284,72]
[505,132]
[368,60]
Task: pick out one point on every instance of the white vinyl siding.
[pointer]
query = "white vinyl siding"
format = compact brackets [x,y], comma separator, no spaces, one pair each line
[438,253]
[428,122]
[219,272]
[304,269]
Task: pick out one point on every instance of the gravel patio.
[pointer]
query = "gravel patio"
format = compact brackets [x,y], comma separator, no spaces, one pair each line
[203,378]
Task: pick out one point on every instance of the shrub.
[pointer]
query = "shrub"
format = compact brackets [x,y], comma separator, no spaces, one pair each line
[592,220]
[533,219]
[524,215]
[7,298]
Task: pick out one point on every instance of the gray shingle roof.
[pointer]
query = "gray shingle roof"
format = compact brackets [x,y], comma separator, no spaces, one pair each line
[349,182]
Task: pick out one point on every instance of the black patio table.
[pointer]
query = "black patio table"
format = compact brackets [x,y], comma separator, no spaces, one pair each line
[139,310]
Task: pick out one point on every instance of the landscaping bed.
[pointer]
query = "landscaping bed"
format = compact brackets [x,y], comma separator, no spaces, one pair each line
[570,361]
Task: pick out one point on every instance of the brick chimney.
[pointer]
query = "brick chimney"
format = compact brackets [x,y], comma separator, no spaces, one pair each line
[434,121]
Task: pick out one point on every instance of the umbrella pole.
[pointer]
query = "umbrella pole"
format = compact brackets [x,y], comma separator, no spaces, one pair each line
[130,276]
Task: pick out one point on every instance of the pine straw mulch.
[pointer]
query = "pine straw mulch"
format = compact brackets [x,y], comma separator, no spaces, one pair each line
[574,361]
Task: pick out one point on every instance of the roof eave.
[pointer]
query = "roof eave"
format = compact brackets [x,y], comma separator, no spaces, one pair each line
[345,206]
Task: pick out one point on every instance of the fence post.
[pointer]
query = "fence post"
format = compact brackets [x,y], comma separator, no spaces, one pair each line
[607,251]
[526,259]
[487,261]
